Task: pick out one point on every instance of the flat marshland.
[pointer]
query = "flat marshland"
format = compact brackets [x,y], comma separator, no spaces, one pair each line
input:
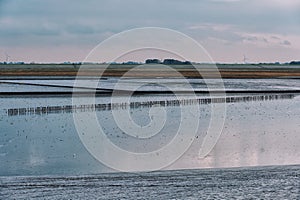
[118,70]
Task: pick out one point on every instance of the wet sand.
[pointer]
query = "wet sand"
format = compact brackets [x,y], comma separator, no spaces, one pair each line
[276,182]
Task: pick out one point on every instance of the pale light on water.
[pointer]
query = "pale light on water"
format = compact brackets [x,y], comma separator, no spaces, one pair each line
[38,134]
[41,151]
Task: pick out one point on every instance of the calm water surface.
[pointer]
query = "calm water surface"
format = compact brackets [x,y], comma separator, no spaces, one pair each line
[42,155]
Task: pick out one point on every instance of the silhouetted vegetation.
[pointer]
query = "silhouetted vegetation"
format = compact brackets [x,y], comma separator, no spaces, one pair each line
[153,61]
[295,63]
[148,61]
[167,62]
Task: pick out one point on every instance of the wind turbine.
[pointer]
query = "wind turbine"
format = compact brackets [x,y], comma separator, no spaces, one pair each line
[6,57]
[245,59]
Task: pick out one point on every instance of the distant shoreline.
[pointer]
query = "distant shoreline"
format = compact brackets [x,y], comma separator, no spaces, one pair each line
[152,70]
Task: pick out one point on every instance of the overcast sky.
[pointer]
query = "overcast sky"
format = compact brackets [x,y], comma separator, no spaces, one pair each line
[67,30]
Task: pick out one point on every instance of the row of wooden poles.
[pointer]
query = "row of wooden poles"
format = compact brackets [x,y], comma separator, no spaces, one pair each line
[147,104]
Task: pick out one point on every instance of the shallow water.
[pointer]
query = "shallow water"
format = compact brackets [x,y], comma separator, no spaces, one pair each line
[39,134]
[277,182]
[262,131]
[42,153]
[158,84]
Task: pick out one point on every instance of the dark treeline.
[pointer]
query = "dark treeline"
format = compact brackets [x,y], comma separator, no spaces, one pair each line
[295,63]
[148,61]
[167,62]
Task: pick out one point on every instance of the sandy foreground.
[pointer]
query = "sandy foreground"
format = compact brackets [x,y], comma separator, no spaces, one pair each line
[150,71]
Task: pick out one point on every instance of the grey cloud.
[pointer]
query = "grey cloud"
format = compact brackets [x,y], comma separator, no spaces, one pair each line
[255,39]
[275,37]
[119,15]
[64,22]
[285,42]
[252,39]
[265,40]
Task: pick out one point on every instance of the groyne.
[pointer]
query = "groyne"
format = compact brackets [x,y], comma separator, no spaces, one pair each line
[44,110]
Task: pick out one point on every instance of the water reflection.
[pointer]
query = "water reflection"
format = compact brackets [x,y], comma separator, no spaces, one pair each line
[264,130]
[45,110]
